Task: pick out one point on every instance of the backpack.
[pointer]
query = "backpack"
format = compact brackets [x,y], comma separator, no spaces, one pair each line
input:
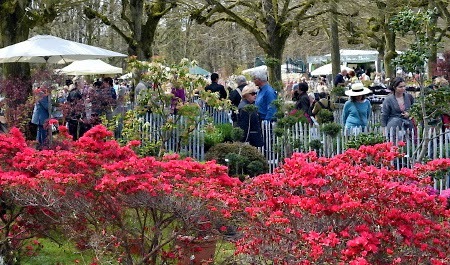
[323,106]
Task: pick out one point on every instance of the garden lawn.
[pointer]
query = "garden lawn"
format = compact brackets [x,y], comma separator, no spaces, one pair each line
[55,254]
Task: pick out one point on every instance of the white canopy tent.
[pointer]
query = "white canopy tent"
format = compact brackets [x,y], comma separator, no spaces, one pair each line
[90,67]
[327,70]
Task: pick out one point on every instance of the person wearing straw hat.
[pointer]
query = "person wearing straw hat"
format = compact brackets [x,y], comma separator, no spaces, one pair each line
[357,109]
[248,118]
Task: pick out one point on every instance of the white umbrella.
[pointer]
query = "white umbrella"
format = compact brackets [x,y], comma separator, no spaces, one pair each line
[90,67]
[326,70]
[126,76]
[50,49]
[254,69]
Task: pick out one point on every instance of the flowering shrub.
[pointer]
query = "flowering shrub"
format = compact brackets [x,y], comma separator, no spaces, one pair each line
[178,100]
[110,200]
[349,209]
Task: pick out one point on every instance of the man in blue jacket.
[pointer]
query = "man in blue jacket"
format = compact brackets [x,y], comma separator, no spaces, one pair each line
[40,115]
[265,97]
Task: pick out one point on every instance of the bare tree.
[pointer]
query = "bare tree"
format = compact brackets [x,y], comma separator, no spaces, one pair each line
[141,19]
[271,22]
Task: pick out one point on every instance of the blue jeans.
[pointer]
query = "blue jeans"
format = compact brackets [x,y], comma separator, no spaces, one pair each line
[41,135]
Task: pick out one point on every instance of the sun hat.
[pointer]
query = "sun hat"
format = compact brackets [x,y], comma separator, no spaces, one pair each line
[358,89]
[248,89]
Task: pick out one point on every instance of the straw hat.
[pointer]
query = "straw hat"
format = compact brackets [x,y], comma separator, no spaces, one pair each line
[358,89]
[248,89]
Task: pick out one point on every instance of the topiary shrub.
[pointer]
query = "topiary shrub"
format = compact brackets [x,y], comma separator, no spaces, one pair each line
[332,129]
[242,159]
[325,116]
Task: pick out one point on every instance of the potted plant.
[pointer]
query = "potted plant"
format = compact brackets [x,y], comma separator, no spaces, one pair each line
[338,94]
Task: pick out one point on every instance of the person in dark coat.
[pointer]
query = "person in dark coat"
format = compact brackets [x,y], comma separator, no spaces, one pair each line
[248,118]
[235,95]
[216,87]
[304,102]
[76,115]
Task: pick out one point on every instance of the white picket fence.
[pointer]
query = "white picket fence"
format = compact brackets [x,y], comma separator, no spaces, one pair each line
[276,148]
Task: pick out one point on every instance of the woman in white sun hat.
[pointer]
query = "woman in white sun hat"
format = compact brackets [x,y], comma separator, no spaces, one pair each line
[357,109]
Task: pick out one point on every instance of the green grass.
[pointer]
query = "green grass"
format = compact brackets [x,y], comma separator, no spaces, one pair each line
[65,254]
[54,254]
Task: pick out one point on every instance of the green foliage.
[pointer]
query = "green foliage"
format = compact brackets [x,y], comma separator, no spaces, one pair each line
[316,145]
[406,21]
[436,104]
[331,129]
[237,134]
[324,116]
[227,131]
[174,115]
[242,159]
[338,91]
[365,139]
[213,136]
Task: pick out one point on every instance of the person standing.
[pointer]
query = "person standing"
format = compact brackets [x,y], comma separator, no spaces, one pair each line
[265,96]
[323,103]
[216,87]
[75,122]
[236,95]
[248,118]
[40,115]
[339,80]
[396,106]
[357,109]
[304,101]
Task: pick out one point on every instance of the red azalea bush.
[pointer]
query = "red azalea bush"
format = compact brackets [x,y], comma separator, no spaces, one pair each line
[110,200]
[349,209]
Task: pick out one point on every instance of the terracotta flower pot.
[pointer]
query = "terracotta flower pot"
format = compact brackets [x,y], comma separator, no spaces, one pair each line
[196,251]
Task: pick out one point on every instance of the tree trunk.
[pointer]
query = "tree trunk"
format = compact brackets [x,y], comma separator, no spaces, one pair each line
[431,34]
[335,50]
[390,51]
[14,32]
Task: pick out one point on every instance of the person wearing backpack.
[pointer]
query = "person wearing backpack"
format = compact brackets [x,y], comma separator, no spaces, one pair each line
[322,103]
[236,95]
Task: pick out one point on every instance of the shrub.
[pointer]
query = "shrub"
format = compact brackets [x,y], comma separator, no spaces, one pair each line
[213,136]
[316,145]
[331,129]
[349,209]
[226,129]
[241,159]
[325,116]
[365,139]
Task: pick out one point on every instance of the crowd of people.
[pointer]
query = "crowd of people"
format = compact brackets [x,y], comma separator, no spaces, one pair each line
[79,103]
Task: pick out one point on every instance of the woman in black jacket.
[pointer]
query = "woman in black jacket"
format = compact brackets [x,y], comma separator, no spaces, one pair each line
[248,119]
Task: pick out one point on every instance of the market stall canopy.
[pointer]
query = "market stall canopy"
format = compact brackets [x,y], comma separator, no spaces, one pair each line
[90,67]
[196,70]
[327,70]
[50,49]
[347,56]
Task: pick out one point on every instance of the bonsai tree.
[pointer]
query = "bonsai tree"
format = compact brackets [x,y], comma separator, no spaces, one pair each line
[172,113]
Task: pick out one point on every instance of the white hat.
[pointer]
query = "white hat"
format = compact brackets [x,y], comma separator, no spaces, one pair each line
[358,89]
